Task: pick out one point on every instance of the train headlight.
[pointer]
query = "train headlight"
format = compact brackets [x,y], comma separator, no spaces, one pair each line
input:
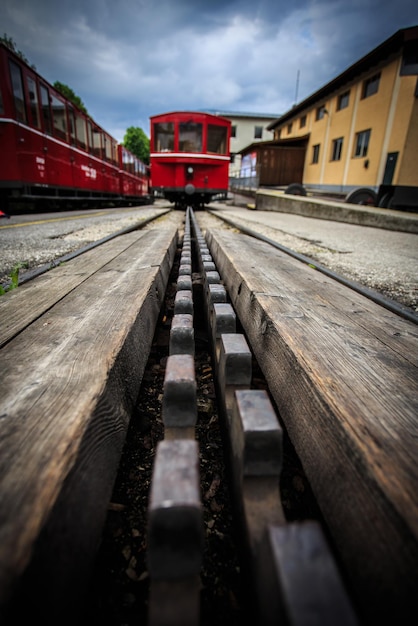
[189,189]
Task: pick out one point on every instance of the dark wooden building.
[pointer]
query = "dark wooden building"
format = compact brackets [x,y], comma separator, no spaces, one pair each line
[278,162]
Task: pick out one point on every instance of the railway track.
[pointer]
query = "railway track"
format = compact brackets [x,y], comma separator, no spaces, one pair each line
[212,482]
[213,518]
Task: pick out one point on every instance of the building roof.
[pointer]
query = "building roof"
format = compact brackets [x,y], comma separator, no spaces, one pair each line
[292,142]
[390,46]
[266,116]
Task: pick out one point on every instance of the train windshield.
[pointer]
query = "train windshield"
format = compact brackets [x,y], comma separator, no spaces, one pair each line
[217,136]
[164,137]
[190,137]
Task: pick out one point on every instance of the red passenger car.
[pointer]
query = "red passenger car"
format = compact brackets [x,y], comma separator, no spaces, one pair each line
[51,151]
[190,157]
[134,176]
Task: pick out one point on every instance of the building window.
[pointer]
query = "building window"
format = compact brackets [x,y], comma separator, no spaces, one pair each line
[315,153]
[233,131]
[302,121]
[409,60]
[320,112]
[278,133]
[362,143]
[343,100]
[258,132]
[337,147]
[371,86]
[289,128]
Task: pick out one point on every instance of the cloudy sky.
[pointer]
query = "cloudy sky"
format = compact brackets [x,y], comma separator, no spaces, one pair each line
[130,59]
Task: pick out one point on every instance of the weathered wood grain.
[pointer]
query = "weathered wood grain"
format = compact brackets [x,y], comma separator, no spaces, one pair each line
[20,307]
[68,383]
[343,372]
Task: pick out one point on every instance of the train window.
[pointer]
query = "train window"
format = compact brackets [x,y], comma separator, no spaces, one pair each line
[46,113]
[33,102]
[90,137]
[115,158]
[217,136]
[97,142]
[80,126]
[190,137]
[107,148]
[139,167]
[128,161]
[164,137]
[18,95]
[59,117]
[71,126]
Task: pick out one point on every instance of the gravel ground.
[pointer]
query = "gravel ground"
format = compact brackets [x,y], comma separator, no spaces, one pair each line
[383,260]
[31,245]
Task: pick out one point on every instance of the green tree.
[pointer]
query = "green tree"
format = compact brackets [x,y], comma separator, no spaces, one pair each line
[136,141]
[68,93]
[10,43]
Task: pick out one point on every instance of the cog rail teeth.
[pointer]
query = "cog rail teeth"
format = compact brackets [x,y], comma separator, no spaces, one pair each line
[292,569]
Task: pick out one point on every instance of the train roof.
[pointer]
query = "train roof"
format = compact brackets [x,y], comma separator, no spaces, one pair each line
[51,87]
[195,114]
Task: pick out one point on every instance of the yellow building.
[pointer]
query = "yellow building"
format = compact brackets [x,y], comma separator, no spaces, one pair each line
[361,129]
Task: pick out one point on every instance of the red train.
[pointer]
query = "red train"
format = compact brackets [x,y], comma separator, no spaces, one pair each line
[190,157]
[52,151]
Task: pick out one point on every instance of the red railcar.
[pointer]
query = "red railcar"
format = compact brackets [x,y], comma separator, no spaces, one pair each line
[134,176]
[51,151]
[189,157]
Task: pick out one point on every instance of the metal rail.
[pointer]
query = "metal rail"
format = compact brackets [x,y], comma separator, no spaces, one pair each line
[392,306]
[293,571]
[31,274]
